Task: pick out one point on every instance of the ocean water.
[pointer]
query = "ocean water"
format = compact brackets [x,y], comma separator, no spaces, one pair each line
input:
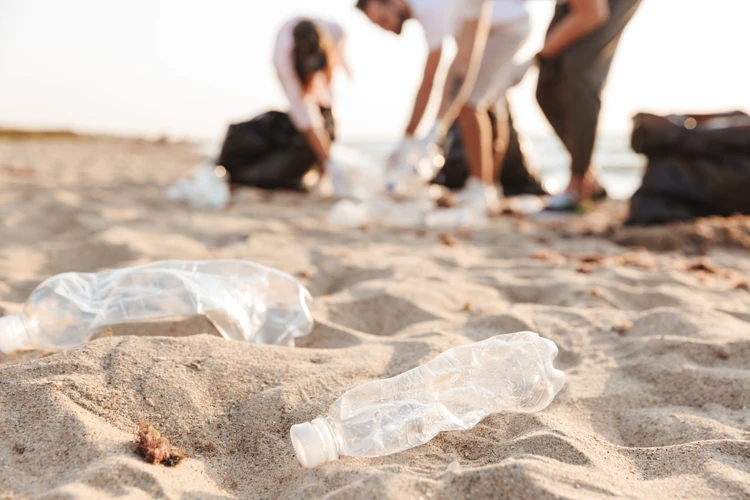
[619,168]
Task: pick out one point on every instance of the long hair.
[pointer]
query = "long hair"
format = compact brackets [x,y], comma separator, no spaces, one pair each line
[312,53]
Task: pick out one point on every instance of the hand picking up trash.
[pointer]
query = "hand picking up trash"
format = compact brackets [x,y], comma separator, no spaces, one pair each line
[454,391]
[407,198]
[243,300]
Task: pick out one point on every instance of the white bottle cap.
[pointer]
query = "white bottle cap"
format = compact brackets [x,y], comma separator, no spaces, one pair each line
[314,443]
[13,334]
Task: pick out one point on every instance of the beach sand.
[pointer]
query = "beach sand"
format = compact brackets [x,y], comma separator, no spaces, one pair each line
[655,345]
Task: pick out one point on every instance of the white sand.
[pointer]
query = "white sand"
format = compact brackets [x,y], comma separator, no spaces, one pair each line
[657,354]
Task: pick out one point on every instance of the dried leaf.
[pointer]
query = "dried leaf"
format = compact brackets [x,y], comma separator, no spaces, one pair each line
[703,264]
[449,241]
[154,448]
[622,328]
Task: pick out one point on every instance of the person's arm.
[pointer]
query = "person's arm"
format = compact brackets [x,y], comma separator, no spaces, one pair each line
[305,116]
[462,74]
[319,142]
[425,91]
[586,16]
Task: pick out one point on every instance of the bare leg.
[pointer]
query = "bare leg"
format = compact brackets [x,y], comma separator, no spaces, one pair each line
[501,145]
[570,87]
[476,130]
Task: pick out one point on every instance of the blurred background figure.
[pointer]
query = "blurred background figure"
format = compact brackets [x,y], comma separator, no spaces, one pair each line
[307,52]
[277,150]
[138,69]
[471,77]
[573,68]
[497,74]
[508,29]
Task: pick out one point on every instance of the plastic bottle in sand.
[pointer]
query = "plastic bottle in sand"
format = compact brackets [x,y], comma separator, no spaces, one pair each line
[411,176]
[453,218]
[243,300]
[208,188]
[453,391]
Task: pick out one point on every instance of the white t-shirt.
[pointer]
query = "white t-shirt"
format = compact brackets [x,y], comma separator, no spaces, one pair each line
[443,18]
[305,107]
[503,11]
[508,11]
[439,18]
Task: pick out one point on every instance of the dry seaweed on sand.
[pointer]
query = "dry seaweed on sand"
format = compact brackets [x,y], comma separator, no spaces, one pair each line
[449,241]
[156,449]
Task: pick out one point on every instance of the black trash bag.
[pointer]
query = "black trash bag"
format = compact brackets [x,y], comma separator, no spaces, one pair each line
[269,152]
[698,166]
[515,176]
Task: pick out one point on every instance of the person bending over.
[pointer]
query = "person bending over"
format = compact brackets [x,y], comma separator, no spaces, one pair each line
[469,21]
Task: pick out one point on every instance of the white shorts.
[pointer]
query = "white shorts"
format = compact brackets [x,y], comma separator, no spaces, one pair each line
[498,71]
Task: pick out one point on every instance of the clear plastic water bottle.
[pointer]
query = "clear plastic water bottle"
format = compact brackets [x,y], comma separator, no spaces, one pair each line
[411,177]
[526,204]
[208,188]
[359,173]
[349,213]
[454,218]
[453,391]
[243,300]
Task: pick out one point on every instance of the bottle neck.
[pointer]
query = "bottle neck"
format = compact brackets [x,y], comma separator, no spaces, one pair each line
[14,334]
[315,443]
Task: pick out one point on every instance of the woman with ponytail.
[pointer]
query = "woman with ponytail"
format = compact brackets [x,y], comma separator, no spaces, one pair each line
[307,53]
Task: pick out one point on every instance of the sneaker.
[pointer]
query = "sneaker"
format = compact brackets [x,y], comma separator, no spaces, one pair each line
[478,195]
[567,201]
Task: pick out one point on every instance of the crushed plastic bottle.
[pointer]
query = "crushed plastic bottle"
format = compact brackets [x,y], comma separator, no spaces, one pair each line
[208,188]
[243,300]
[526,204]
[406,214]
[349,213]
[382,211]
[455,218]
[359,173]
[411,177]
[453,391]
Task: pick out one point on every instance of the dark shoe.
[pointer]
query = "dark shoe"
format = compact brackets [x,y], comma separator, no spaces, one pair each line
[568,202]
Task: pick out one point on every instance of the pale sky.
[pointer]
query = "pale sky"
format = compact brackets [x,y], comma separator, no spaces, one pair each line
[190,67]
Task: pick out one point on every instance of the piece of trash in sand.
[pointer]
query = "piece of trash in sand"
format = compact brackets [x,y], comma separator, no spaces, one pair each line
[702,265]
[453,391]
[525,204]
[243,300]
[549,256]
[154,448]
[417,211]
[403,196]
[207,188]
[453,467]
[449,241]
[349,213]
[409,214]
[455,218]
[622,328]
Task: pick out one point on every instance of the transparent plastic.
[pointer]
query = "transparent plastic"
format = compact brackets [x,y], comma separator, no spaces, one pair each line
[526,204]
[453,391]
[349,213]
[453,218]
[357,174]
[243,300]
[208,188]
[382,211]
[411,176]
